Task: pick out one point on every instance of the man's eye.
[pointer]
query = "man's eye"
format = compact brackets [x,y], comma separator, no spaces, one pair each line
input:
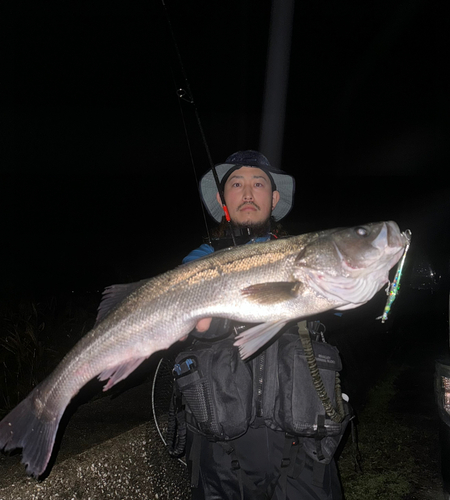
[259,184]
[236,184]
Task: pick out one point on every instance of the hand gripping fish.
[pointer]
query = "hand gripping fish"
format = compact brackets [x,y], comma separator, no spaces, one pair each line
[269,283]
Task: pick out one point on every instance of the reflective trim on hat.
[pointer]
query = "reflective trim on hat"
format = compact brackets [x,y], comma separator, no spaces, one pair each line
[284,182]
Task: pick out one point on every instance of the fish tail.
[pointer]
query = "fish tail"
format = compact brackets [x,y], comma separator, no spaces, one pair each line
[22,428]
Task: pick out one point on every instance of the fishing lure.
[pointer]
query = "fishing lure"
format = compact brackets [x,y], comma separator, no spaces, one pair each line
[394,287]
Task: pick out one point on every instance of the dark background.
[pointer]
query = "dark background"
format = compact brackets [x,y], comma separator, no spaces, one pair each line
[97,184]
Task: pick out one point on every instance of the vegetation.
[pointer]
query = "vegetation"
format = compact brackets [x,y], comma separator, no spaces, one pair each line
[392,452]
[34,336]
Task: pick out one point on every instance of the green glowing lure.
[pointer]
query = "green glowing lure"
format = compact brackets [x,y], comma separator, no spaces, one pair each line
[394,287]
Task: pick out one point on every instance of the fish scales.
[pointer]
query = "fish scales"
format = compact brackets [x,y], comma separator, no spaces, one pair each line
[268,283]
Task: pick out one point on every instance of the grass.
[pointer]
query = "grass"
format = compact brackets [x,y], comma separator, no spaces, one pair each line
[388,449]
[34,336]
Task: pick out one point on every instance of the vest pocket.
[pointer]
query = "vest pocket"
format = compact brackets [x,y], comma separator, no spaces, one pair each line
[217,390]
[298,409]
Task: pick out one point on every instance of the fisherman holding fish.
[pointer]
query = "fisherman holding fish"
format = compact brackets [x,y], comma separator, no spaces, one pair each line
[256,458]
[264,412]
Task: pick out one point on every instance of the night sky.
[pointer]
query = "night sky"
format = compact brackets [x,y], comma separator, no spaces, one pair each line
[97,181]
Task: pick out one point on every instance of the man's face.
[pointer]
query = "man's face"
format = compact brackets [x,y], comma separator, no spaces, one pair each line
[249,197]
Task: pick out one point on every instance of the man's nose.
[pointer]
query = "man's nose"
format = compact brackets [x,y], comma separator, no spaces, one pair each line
[248,193]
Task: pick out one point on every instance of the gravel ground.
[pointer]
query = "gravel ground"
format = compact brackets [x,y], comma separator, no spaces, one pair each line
[131,465]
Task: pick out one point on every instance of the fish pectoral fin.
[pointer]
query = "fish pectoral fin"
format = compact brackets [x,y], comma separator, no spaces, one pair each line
[272,293]
[256,337]
[119,372]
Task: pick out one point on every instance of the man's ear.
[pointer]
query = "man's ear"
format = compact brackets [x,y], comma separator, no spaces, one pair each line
[219,201]
[275,199]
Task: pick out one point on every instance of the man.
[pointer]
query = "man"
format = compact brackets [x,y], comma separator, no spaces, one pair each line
[256,462]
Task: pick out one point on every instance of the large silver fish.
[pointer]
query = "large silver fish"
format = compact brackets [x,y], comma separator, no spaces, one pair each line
[270,283]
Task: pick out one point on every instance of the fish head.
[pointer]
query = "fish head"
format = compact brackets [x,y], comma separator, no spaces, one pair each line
[350,265]
[364,248]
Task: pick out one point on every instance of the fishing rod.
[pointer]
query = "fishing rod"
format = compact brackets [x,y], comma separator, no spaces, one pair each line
[186,95]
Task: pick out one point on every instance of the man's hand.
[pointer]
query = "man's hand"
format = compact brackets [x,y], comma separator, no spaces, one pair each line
[203,325]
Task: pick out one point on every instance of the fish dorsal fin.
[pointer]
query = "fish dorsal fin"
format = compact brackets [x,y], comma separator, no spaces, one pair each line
[272,293]
[113,295]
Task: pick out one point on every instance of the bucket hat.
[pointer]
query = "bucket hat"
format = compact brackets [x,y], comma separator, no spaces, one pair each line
[282,182]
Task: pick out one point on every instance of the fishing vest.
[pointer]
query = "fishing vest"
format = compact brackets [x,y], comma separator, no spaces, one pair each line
[222,396]
[219,396]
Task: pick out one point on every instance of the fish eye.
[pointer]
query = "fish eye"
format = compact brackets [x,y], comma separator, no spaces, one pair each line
[361,231]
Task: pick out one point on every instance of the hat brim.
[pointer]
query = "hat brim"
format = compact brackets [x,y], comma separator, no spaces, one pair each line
[284,182]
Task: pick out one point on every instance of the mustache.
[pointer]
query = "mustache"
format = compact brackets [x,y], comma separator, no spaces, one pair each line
[249,203]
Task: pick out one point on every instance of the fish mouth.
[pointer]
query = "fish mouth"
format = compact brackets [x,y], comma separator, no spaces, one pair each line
[390,239]
[397,241]
[365,268]
[385,249]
